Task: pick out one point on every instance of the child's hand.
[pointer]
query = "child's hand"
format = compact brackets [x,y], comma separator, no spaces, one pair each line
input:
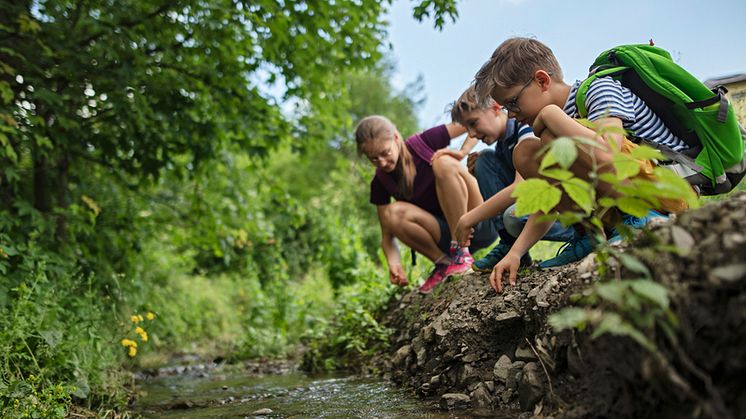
[509,264]
[471,162]
[397,275]
[464,231]
[456,154]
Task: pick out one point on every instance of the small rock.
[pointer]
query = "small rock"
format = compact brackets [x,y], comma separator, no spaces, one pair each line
[730,273]
[481,396]
[524,354]
[514,375]
[401,355]
[260,412]
[500,371]
[435,381]
[682,240]
[225,387]
[454,401]
[471,357]
[531,386]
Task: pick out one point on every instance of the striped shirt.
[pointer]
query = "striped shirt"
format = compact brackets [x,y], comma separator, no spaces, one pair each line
[607,97]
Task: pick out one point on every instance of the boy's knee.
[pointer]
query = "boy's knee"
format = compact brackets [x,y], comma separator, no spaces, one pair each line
[395,212]
[513,224]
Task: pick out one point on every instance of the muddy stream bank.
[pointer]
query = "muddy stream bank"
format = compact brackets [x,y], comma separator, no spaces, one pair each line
[467,346]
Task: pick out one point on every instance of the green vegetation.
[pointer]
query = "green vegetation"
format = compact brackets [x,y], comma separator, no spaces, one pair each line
[179,177]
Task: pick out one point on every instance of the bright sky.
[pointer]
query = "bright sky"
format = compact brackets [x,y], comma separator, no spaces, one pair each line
[706,37]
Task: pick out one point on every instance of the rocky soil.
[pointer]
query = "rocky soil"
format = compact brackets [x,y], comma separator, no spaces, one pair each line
[473,348]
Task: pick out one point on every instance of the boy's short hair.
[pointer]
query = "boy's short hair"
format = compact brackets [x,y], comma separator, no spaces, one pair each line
[513,63]
[468,102]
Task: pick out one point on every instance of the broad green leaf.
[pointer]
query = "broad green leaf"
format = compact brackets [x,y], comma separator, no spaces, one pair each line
[548,160]
[564,151]
[607,202]
[645,152]
[612,291]
[633,264]
[535,195]
[677,184]
[569,318]
[559,174]
[633,206]
[608,178]
[625,166]
[581,192]
[614,324]
[653,291]
[569,218]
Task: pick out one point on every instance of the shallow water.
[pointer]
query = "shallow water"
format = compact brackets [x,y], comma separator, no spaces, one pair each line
[294,395]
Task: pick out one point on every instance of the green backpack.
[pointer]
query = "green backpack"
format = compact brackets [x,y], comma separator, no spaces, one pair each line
[700,117]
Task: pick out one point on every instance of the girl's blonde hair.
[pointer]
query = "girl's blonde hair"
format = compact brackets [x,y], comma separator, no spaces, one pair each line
[377,127]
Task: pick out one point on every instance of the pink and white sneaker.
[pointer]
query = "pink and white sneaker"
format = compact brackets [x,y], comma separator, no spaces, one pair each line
[461,261]
[436,276]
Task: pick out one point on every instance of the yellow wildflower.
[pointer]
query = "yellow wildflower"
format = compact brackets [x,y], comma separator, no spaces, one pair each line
[135,318]
[143,334]
[130,343]
[150,315]
[139,318]
[132,352]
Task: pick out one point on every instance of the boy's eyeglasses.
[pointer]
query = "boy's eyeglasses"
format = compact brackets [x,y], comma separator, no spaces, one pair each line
[512,103]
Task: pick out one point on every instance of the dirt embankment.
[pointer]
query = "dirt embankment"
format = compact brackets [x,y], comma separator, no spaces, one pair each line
[469,346]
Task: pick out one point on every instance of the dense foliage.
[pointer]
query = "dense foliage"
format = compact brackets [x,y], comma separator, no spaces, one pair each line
[178,173]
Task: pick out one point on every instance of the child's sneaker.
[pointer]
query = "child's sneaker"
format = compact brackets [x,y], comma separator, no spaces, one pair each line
[571,251]
[461,261]
[495,255]
[438,274]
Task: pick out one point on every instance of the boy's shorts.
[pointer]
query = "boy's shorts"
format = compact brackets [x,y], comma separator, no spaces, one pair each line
[485,233]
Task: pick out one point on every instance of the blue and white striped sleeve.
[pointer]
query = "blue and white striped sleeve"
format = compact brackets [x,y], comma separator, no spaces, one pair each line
[524,131]
[607,97]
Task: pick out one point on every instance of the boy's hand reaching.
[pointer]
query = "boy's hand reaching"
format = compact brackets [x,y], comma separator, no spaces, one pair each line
[397,275]
[508,265]
[464,231]
[471,162]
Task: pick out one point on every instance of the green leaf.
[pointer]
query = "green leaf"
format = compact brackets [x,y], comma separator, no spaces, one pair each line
[51,337]
[608,178]
[564,151]
[625,166]
[633,264]
[535,195]
[652,291]
[607,202]
[569,218]
[6,93]
[673,182]
[581,192]
[548,160]
[645,152]
[569,318]
[559,174]
[633,206]
[612,291]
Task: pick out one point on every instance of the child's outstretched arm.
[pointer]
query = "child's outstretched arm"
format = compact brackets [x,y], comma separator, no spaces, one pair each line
[493,207]
[532,232]
[391,250]
[455,130]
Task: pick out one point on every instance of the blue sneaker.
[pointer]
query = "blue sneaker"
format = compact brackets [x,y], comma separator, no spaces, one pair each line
[572,251]
[495,255]
[634,222]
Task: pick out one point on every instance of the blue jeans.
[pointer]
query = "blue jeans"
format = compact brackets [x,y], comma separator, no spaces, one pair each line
[493,177]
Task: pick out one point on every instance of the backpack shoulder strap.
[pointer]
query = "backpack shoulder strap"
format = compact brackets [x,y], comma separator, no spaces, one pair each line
[595,73]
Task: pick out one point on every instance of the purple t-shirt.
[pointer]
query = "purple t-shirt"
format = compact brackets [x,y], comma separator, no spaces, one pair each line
[424,195]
